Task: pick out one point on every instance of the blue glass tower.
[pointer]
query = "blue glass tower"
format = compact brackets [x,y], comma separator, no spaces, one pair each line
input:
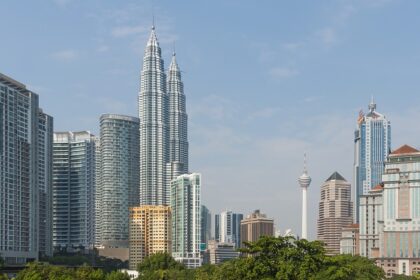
[372,143]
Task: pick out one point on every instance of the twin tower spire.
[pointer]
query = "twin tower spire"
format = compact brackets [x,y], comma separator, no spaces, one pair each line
[163,125]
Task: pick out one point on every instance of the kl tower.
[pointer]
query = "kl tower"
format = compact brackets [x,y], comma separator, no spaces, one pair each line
[304,182]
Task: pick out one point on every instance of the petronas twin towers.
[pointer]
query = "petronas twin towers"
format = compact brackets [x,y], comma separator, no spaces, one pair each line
[163,126]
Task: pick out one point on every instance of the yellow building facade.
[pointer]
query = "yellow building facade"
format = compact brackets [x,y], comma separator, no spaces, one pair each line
[150,232]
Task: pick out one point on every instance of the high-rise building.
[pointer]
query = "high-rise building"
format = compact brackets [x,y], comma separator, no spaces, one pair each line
[205,227]
[217,227]
[178,123]
[118,183]
[256,225]
[163,126]
[186,220]
[45,166]
[372,143]
[154,127]
[371,221]
[150,232]
[73,189]
[25,174]
[399,241]
[335,212]
[304,182]
[229,227]
[350,240]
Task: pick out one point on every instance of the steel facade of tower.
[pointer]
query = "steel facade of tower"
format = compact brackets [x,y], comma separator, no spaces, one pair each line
[25,174]
[163,126]
[372,142]
[154,129]
[178,123]
[118,183]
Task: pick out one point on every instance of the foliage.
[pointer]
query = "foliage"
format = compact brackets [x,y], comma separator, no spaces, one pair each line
[42,271]
[78,259]
[161,266]
[347,267]
[286,258]
[281,258]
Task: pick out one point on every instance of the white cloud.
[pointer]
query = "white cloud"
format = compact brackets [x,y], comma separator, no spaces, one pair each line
[292,46]
[283,72]
[102,48]
[65,55]
[123,31]
[328,36]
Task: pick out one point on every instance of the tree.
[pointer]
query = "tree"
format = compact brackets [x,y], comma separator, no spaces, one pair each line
[347,267]
[117,275]
[161,266]
[282,258]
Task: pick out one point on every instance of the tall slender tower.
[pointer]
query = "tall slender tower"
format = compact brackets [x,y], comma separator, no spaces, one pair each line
[154,128]
[178,124]
[372,144]
[304,182]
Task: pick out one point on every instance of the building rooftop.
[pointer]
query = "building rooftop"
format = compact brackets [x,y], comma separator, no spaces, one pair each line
[405,149]
[335,176]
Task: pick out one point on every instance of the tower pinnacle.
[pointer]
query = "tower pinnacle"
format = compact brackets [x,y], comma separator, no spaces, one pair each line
[372,105]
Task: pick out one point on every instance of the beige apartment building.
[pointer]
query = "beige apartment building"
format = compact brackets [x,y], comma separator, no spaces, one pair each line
[335,212]
[150,232]
[256,225]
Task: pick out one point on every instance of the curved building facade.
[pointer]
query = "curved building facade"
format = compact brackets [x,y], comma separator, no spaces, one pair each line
[118,185]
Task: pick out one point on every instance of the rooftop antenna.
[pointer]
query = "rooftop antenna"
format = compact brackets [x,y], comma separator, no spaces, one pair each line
[174,53]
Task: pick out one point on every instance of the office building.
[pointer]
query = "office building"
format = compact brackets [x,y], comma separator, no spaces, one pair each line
[150,232]
[229,228]
[163,126]
[220,252]
[350,240]
[205,227]
[154,127]
[256,225]
[399,241]
[25,174]
[186,219]
[335,212]
[118,183]
[178,123]
[371,221]
[74,164]
[372,143]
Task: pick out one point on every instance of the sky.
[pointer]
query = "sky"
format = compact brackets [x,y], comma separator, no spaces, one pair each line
[265,82]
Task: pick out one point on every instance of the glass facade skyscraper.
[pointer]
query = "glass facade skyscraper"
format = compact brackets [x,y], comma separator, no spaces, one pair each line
[74,159]
[186,219]
[118,184]
[163,126]
[372,140]
[228,226]
[25,174]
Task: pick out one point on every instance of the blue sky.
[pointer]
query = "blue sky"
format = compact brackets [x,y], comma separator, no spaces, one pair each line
[265,81]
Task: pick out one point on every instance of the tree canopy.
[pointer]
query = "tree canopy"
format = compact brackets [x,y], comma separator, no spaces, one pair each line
[269,258]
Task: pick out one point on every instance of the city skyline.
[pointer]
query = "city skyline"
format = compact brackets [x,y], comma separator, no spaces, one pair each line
[250,150]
